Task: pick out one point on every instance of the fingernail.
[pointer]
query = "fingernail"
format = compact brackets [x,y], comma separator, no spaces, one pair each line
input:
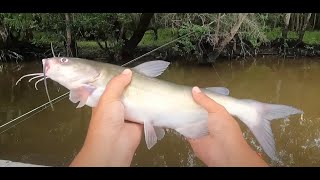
[196,89]
[126,71]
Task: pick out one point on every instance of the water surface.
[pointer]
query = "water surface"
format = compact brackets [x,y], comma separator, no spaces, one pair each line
[54,137]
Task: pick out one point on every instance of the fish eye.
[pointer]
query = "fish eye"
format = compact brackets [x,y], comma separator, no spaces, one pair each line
[63,60]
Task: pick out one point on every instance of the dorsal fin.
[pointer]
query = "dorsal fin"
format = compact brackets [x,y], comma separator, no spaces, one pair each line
[152,68]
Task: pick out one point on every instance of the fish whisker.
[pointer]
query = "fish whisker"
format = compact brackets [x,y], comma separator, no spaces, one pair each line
[35,84]
[27,75]
[45,83]
[35,78]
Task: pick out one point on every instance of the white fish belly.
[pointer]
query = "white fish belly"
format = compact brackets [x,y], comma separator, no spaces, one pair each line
[167,111]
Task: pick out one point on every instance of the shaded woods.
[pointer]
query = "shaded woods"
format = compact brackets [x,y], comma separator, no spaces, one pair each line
[118,37]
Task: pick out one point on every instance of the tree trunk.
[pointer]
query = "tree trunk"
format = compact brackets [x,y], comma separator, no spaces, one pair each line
[226,40]
[4,35]
[304,27]
[317,22]
[286,24]
[293,22]
[138,34]
[216,36]
[70,44]
[298,24]
[314,21]
[275,23]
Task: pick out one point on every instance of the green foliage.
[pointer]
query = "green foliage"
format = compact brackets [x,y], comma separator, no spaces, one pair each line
[106,28]
[18,21]
[42,38]
[19,24]
[52,26]
[191,34]
[273,20]
[98,25]
[164,35]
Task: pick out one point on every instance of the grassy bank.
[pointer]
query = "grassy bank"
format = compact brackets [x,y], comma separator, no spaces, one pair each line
[166,35]
[310,37]
[148,40]
[90,49]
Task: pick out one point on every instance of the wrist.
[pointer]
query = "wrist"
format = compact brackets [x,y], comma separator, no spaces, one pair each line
[243,155]
[109,148]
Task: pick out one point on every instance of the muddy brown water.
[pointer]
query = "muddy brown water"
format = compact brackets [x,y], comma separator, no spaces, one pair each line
[53,138]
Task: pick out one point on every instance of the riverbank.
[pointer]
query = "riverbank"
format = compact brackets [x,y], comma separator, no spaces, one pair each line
[309,47]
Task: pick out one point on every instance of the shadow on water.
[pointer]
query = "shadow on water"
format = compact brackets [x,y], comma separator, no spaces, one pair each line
[54,137]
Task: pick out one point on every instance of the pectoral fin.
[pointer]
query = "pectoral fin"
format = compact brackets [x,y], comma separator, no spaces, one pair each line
[81,94]
[159,132]
[152,134]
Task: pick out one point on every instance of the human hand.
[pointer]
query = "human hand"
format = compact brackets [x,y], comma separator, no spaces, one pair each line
[111,141]
[225,145]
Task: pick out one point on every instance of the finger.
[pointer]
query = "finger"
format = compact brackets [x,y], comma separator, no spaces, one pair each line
[117,85]
[206,102]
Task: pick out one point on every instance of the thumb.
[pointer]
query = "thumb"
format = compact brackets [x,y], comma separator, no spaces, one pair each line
[220,122]
[206,102]
[116,86]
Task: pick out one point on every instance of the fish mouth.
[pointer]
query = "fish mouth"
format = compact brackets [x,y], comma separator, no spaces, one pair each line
[46,65]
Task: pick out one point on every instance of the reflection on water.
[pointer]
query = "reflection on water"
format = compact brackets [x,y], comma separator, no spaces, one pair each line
[54,137]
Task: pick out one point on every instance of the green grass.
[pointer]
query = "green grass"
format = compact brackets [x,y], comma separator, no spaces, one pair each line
[167,34]
[164,35]
[88,44]
[310,37]
[277,33]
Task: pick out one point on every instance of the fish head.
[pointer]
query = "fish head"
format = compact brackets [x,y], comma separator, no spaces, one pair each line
[70,72]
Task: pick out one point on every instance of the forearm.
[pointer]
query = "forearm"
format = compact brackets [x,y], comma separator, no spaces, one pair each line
[239,153]
[102,154]
[101,148]
[91,155]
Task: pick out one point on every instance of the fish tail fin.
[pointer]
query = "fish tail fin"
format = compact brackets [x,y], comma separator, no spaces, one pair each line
[259,122]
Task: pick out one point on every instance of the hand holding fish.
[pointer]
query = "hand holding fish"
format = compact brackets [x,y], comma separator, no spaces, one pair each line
[110,140]
[225,145]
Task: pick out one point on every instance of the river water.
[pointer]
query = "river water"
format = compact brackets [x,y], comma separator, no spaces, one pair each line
[53,138]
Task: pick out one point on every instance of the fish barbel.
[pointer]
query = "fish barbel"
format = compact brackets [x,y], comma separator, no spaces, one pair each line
[160,104]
